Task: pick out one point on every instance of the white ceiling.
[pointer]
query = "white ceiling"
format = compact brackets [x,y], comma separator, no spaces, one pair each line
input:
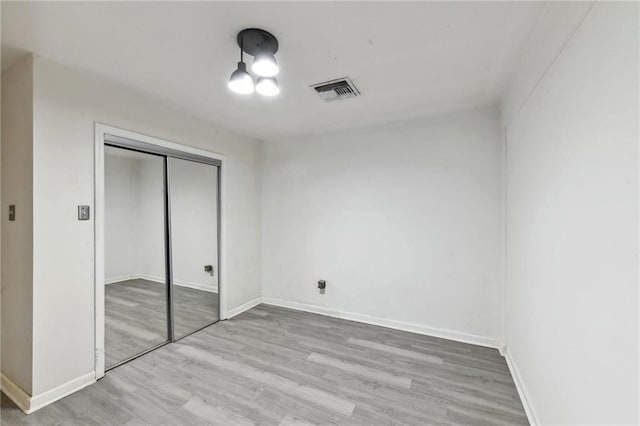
[407,59]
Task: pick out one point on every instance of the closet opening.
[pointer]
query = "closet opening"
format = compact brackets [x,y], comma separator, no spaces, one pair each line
[158,226]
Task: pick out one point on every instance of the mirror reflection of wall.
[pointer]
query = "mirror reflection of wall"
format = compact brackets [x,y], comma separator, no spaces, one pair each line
[194,235]
[136,287]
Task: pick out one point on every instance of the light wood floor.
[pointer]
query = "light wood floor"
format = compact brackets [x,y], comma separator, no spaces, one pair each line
[275,366]
[136,316]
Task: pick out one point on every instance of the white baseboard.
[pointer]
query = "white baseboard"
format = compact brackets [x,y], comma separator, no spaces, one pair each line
[389,323]
[196,286]
[188,284]
[59,392]
[161,280]
[502,349]
[244,307]
[119,279]
[524,395]
[29,404]
[15,393]
[152,278]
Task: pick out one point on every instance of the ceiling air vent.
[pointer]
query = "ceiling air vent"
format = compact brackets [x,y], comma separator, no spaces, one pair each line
[336,90]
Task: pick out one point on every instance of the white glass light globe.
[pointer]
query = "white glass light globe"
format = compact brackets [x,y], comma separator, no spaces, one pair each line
[240,81]
[267,86]
[265,65]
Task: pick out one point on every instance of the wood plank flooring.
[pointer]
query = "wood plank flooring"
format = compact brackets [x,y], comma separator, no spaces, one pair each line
[136,316]
[275,366]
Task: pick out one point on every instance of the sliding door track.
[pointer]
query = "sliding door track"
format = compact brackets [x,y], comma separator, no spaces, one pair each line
[146,351]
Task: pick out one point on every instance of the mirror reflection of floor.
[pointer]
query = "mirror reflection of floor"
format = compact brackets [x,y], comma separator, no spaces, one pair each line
[136,316]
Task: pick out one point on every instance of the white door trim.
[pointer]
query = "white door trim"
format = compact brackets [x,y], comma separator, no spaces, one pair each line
[100,131]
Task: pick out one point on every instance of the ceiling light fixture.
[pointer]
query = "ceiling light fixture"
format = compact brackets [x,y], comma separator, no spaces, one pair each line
[263,46]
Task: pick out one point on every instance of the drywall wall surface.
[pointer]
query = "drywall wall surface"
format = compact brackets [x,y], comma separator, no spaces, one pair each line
[67,103]
[194,223]
[121,216]
[150,220]
[554,27]
[17,189]
[403,221]
[572,228]
[135,215]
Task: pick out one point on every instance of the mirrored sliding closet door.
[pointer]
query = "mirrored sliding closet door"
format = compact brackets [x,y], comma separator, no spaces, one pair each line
[193,189]
[162,228]
[136,303]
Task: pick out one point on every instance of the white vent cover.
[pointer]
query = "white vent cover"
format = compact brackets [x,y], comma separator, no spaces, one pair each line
[336,90]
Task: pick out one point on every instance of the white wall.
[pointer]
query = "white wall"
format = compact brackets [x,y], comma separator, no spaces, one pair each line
[554,27]
[150,248]
[572,227]
[194,224]
[134,216]
[402,220]
[134,219]
[120,217]
[66,105]
[17,189]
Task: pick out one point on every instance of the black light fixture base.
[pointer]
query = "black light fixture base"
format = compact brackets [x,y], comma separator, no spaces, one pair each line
[255,40]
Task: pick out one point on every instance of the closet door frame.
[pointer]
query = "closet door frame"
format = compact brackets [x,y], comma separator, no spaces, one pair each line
[113,136]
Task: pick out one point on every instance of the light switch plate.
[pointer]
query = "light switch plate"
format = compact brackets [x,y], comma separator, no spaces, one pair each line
[83,212]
